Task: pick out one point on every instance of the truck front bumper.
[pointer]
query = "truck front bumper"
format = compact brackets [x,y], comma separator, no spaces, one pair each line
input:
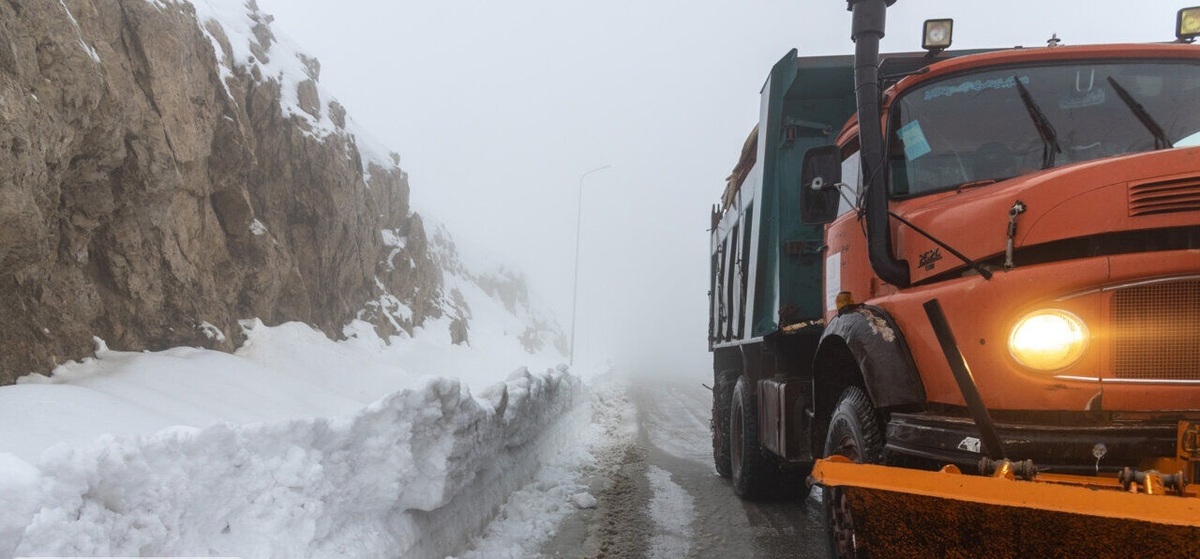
[1078,449]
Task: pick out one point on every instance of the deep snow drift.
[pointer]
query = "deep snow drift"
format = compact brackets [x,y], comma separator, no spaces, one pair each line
[297,446]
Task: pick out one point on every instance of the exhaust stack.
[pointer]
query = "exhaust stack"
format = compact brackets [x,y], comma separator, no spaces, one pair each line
[867,30]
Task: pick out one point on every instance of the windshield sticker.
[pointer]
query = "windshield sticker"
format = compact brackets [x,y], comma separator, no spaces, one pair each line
[973,86]
[1077,100]
[915,144]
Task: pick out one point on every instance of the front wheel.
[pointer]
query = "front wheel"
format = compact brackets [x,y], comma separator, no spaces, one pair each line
[854,433]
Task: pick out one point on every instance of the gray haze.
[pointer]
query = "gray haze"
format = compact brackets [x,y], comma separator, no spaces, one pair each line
[498,108]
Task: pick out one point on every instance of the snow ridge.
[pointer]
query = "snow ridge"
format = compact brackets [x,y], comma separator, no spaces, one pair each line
[411,475]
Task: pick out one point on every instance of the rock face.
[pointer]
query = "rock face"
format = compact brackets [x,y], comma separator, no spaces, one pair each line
[507,287]
[157,184]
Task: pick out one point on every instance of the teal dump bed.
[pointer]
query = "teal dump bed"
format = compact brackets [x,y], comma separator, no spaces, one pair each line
[806,101]
[766,264]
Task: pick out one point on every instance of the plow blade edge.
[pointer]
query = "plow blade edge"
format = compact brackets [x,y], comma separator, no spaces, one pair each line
[899,512]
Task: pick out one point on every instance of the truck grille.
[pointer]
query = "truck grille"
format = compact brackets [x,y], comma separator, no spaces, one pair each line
[1156,331]
[1176,195]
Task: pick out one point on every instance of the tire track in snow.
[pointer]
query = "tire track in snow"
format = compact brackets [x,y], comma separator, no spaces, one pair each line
[673,511]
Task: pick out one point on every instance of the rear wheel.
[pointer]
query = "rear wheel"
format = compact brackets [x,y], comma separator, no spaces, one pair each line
[722,401]
[752,472]
[854,433]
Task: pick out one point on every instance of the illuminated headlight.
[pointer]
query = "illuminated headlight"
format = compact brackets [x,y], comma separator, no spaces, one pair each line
[938,34]
[1048,340]
[1187,23]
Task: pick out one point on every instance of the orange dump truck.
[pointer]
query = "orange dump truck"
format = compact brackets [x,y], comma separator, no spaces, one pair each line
[986,262]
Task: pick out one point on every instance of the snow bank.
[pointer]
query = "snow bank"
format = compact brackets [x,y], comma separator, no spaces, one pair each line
[411,475]
[295,446]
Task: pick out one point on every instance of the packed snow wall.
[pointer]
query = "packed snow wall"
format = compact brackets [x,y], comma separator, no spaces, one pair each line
[414,474]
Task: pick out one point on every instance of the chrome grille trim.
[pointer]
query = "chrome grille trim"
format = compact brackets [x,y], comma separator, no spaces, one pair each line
[1178,382]
[1156,331]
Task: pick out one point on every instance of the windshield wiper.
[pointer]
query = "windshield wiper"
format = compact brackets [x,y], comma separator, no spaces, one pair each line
[1160,137]
[973,184]
[1044,128]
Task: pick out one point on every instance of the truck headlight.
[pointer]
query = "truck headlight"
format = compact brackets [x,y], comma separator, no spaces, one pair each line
[1048,340]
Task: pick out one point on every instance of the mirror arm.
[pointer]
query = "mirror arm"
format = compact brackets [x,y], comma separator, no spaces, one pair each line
[840,186]
[818,184]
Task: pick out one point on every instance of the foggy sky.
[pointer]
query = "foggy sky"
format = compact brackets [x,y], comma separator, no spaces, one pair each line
[498,108]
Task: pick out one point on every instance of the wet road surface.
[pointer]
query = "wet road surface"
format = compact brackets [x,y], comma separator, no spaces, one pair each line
[660,497]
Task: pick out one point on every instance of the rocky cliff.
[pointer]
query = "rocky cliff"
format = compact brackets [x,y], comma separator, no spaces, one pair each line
[168,168]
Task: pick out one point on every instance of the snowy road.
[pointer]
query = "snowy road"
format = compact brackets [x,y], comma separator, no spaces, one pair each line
[661,498]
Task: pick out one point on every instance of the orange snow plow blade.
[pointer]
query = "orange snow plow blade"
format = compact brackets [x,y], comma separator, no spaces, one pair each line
[899,512]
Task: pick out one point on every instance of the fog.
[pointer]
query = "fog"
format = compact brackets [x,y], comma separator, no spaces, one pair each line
[498,109]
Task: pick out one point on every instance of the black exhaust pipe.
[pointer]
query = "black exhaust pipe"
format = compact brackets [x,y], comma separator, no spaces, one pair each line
[867,30]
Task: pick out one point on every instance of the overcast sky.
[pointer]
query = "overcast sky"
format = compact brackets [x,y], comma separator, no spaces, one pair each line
[498,108]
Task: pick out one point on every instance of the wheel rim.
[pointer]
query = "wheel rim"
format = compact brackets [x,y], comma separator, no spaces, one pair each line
[841,522]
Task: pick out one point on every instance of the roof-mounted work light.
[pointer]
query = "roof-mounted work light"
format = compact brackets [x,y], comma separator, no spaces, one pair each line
[938,33]
[1187,24]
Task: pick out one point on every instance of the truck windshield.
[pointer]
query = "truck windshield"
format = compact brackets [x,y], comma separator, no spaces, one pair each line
[977,127]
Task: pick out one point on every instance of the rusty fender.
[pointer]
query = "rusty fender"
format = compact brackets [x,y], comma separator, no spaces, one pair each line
[879,349]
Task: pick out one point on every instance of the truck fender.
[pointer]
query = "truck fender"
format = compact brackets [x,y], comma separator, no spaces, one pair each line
[871,338]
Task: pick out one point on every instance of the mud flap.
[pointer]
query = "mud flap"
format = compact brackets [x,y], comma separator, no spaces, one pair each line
[898,512]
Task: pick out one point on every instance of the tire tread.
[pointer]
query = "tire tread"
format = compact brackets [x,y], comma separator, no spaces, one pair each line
[723,383]
[758,473]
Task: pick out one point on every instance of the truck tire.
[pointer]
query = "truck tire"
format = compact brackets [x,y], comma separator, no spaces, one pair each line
[752,472]
[722,400]
[854,433]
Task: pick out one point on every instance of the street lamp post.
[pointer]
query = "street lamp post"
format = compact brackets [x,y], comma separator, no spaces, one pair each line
[575,292]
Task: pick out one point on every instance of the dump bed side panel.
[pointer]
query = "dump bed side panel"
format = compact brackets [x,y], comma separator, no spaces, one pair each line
[805,103]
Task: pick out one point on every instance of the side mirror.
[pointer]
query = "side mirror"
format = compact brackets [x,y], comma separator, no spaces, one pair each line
[819,176]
